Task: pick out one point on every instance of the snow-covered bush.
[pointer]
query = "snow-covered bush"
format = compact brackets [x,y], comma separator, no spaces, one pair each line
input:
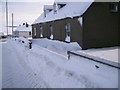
[23,41]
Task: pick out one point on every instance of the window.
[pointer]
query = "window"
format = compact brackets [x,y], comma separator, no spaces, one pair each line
[29,33]
[67,28]
[41,31]
[51,32]
[50,10]
[114,7]
[51,29]
[34,31]
[61,5]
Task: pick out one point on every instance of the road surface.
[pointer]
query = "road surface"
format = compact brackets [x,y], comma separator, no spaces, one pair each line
[15,74]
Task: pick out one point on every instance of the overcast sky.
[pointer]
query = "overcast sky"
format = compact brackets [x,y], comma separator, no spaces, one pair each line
[23,10]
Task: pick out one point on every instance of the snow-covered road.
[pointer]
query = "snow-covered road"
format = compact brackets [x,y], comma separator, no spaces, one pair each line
[16,73]
[40,67]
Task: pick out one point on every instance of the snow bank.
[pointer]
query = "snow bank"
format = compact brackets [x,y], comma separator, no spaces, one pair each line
[107,55]
[110,54]
[23,41]
[57,46]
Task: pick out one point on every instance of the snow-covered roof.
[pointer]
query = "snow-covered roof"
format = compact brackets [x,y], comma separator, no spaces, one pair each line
[48,7]
[60,2]
[71,9]
[23,28]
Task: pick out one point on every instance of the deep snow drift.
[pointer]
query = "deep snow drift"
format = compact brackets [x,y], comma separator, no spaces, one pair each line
[43,66]
[57,46]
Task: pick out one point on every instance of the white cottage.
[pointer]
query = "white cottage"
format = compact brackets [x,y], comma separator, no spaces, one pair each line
[23,31]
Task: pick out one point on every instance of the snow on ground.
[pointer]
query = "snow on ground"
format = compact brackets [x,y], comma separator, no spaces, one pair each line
[57,46]
[43,66]
[105,55]
[110,54]
[15,72]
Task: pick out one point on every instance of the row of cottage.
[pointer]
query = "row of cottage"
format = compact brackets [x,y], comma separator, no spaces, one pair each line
[91,24]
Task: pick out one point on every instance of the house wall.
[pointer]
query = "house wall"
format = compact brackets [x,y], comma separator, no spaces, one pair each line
[62,29]
[59,29]
[45,30]
[100,27]
[15,33]
[76,31]
[24,34]
[33,30]
[58,25]
[48,29]
[59,32]
[37,31]
[40,32]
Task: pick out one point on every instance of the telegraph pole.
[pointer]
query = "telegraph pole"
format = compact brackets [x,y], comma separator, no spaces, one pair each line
[12,24]
[7,17]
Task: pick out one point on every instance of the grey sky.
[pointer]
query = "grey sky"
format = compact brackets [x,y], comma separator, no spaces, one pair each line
[23,12]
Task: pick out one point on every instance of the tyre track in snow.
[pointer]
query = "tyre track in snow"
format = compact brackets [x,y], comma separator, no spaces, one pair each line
[29,81]
[6,67]
[68,74]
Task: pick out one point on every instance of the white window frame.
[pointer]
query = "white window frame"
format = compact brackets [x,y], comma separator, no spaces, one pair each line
[51,31]
[35,32]
[41,31]
[67,29]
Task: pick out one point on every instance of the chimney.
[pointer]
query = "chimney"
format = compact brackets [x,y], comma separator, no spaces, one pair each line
[26,24]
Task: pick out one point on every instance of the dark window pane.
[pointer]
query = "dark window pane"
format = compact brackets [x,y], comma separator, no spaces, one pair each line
[114,7]
[29,33]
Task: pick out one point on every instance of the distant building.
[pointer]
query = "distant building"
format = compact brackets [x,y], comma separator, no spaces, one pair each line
[24,30]
[91,24]
[1,33]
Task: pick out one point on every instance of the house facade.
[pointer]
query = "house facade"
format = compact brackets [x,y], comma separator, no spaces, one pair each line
[23,31]
[91,24]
